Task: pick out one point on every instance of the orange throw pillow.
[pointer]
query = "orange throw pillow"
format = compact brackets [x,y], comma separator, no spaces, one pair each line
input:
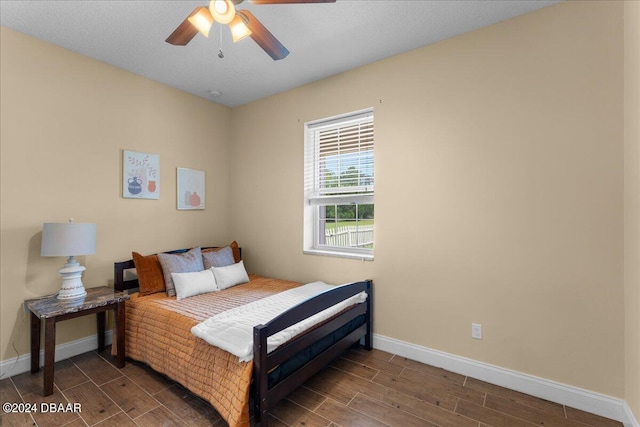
[236,251]
[149,272]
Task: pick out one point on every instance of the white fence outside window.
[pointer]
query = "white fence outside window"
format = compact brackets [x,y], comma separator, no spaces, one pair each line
[351,236]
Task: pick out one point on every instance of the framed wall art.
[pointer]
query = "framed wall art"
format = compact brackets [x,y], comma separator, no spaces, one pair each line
[140,175]
[190,189]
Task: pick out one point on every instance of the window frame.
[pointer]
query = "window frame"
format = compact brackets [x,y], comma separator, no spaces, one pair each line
[315,195]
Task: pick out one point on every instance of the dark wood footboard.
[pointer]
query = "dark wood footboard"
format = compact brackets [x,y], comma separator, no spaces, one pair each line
[265,397]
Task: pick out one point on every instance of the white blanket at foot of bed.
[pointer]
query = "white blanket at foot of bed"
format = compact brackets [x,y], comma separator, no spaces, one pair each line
[232,330]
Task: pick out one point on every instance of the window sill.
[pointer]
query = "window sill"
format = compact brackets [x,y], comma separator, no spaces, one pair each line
[337,254]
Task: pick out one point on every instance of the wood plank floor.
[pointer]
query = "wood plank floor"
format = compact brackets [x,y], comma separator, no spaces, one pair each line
[360,389]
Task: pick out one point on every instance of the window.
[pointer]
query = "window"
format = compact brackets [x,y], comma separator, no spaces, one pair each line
[338,187]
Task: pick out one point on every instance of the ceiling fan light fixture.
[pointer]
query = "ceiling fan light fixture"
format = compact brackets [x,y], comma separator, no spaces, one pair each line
[222,11]
[239,29]
[202,20]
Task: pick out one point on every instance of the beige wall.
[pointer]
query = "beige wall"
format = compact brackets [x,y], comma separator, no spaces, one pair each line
[64,120]
[500,187]
[499,192]
[632,204]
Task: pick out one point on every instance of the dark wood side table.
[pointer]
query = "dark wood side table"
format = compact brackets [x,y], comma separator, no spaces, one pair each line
[52,310]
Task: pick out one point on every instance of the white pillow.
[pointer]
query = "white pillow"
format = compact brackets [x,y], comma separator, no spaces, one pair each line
[194,283]
[230,275]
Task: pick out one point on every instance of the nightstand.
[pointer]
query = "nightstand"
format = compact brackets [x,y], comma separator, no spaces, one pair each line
[52,310]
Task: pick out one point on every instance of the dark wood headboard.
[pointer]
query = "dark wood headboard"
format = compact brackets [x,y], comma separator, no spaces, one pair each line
[122,283]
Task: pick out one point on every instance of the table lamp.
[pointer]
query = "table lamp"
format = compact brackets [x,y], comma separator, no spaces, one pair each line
[69,239]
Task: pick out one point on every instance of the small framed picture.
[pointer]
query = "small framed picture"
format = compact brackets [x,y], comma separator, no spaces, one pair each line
[190,189]
[140,175]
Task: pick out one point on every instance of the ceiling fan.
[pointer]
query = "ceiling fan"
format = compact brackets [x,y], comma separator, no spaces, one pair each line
[241,22]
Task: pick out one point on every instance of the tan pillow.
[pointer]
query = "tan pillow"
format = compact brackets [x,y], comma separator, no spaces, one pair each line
[149,272]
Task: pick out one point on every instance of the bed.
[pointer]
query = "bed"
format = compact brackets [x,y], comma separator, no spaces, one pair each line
[158,333]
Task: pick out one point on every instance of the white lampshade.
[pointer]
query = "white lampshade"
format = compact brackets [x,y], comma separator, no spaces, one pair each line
[69,239]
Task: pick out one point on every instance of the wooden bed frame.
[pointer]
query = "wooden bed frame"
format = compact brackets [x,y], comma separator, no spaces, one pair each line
[263,396]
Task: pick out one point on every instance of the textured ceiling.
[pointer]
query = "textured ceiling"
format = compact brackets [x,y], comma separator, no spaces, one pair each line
[324,39]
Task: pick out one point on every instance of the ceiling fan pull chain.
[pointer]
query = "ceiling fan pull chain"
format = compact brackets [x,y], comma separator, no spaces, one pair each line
[220,53]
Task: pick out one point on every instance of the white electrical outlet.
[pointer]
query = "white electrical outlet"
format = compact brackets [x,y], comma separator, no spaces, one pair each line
[476,331]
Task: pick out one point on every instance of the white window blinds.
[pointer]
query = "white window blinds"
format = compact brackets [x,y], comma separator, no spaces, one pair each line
[339,159]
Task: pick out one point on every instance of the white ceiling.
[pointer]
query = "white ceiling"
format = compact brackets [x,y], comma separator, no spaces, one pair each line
[324,39]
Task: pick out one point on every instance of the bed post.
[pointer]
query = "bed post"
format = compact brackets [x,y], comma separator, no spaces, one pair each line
[260,372]
[368,338]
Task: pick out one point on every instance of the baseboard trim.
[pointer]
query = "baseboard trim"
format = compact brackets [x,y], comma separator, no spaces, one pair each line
[630,419]
[575,397]
[22,363]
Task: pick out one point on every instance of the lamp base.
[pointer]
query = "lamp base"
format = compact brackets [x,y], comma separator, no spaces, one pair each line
[72,287]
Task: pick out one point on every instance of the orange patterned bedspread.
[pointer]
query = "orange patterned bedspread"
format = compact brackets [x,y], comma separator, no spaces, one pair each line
[158,333]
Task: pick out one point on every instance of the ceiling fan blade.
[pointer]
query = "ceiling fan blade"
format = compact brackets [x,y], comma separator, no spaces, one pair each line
[263,37]
[290,1]
[185,31]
